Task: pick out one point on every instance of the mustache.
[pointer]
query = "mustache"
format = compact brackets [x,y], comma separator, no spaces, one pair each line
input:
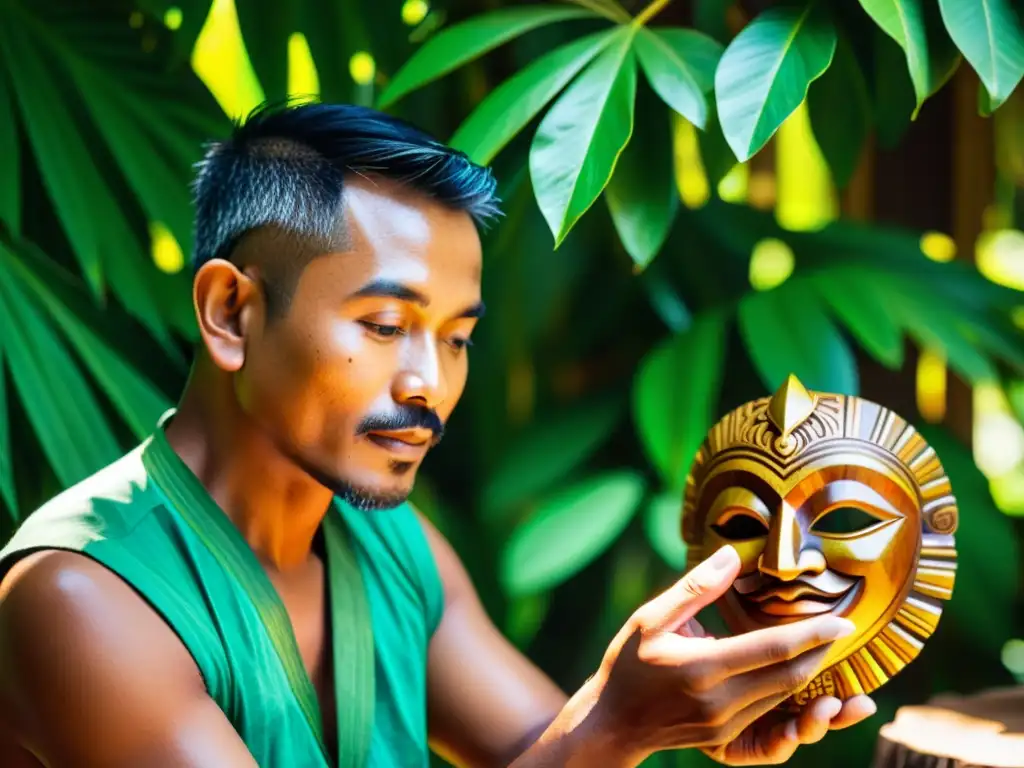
[759,588]
[406,417]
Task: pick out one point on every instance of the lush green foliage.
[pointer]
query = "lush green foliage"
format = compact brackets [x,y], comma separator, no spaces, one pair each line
[615,334]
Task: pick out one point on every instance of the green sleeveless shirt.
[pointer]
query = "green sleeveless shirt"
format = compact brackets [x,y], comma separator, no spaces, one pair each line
[148,518]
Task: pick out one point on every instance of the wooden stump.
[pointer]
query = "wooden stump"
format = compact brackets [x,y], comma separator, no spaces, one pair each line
[984,730]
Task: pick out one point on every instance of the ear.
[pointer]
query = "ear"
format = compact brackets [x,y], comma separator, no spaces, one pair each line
[228,306]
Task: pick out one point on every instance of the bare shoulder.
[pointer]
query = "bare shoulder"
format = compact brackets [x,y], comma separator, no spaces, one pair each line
[454,578]
[56,600]
[91,673]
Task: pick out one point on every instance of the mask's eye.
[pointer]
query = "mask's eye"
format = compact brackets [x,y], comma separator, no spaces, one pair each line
[740,527]
[843,521]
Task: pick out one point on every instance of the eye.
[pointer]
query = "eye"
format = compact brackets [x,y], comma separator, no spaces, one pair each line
[386,331]
[741,527]
[843,521]
[459,344]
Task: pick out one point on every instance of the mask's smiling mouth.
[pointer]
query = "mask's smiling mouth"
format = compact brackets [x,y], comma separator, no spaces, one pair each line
[805,596]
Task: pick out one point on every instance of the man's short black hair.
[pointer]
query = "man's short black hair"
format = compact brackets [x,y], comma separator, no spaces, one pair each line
[282,171]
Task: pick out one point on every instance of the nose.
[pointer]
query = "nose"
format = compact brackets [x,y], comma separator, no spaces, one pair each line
[421,379]
[786,556]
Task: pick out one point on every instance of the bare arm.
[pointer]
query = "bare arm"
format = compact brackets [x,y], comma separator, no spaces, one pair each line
[90,675]
[662,685]
[487,702]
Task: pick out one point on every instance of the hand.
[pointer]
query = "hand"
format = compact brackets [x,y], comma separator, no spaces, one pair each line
[664,684]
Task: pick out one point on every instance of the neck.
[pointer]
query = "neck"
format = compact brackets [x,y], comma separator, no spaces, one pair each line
[277,506]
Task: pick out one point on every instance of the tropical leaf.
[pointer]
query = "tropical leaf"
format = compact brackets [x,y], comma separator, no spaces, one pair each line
[568,531]
[548,452]
[786,330]
[765,72]
[72,431]
[464,42]
[990,34]
[680,66]
[138,401]
[663,519]
[853,297]
[10,187]
[7,490]
[641,194]
[675,395]
[186,17]
[610,9]
[513,104]
[935,325]
[840,111]
[574,152]
[914,25]
[73,85]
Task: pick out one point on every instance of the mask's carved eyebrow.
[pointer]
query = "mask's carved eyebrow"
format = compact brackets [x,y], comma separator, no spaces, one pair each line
[389,289]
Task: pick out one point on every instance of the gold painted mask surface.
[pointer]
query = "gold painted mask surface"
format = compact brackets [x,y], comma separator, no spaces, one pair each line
[835,504]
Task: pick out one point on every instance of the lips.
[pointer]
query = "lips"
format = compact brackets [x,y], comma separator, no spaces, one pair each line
[407,443]
[807,596]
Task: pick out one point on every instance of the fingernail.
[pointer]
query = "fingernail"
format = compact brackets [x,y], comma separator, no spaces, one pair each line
[723,558]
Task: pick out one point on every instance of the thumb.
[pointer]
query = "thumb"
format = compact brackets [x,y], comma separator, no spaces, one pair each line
[696,590]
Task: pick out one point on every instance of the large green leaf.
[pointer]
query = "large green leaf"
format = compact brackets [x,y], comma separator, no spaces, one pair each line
[548,452]
[989,33]
[568,531]
[765,72]
[7,489]
[450,49]
[663,525]
[914,25]
[59,148]
[642,195]
[10,187]
[852,295]
[573,155]
[137,400]
[786,330]
[894,100]
[99,99]
[71,429]
[680,66]
[513,104]
[937,325]
[840,111]
[675,395]
[266,26]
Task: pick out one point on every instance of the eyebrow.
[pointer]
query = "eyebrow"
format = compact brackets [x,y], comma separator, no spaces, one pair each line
[390,289]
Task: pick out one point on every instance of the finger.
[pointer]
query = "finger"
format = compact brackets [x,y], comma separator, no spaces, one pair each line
[813,722]
[854,710]
[692,628]
[731,656]
[782,679]
[698,589]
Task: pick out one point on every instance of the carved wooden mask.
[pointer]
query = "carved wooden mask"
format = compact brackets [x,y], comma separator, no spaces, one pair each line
[835,504]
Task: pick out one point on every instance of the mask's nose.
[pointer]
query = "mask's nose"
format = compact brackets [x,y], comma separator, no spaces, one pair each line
[786,555]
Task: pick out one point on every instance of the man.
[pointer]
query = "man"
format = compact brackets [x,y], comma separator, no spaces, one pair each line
[249,587]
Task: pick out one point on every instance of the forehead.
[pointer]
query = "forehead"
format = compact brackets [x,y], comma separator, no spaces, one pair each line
[840,460]
[397,235]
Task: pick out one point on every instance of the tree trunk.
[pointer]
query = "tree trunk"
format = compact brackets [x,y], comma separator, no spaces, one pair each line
[985,730]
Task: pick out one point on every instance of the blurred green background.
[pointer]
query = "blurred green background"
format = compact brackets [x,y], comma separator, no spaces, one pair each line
[701,196]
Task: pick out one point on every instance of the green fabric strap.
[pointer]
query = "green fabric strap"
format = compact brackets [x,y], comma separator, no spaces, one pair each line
[351,627]
[352,645]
